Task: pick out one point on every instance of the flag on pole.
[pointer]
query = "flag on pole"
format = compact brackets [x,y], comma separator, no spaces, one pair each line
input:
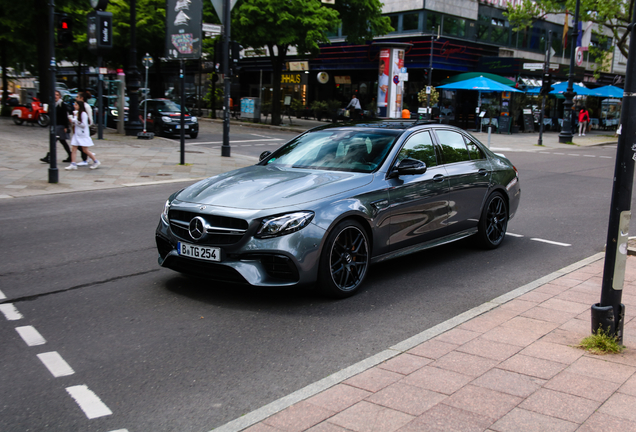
[587,36]
[564,39]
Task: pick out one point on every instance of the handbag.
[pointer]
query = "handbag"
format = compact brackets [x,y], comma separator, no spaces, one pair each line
[93,129]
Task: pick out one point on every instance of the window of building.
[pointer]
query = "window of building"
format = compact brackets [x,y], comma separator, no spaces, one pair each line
[500,32]
[411,21]
[395,23]
[433,21]
[454,26]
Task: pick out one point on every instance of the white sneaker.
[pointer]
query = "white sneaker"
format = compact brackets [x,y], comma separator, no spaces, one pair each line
[82,163]
[95,164]
[72,166]
[583,134]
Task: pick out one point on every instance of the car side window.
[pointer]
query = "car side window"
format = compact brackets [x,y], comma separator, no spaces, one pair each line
[420,147]
[453,146]
[473,150]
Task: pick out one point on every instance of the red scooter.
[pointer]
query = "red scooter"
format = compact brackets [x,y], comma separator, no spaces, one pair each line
[36,112]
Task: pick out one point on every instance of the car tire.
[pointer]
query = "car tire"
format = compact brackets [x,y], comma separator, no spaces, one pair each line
[17,120]
[194,135]
[493,222]
[345,260]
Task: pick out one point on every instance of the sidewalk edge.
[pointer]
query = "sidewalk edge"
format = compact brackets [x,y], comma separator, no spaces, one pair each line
[313,389]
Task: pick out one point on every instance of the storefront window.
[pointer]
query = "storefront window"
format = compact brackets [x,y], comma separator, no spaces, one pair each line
[454,26]
[410,21]
[433,21]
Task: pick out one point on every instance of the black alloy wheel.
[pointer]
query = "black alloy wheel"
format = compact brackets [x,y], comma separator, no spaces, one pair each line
[493,222]
[345,260]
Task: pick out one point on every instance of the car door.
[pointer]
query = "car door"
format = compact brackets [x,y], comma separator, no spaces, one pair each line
[419,203]
[469,173]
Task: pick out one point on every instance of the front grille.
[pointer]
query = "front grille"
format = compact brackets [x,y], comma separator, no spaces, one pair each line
[223,230]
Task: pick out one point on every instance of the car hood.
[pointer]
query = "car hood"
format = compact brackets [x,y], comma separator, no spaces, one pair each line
[263,187]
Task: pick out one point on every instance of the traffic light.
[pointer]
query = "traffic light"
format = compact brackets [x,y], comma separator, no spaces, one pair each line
[64,31]
[546,84]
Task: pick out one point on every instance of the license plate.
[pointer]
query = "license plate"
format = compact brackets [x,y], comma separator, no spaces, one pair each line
[186,127]
[200,252]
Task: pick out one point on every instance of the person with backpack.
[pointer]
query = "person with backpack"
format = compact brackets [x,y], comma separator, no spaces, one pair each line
[584,119]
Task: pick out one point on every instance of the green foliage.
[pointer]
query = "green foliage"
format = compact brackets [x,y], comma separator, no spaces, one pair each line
[217,97]
[333,105]
[319,106]
[297,105]
[614,16]
[422,97]
[601,342]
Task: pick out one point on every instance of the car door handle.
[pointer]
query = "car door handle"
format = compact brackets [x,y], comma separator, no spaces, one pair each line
[482,172]
[438,178]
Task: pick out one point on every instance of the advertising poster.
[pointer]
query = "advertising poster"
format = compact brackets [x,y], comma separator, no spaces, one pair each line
[183,29]
[383,82]
[397,85]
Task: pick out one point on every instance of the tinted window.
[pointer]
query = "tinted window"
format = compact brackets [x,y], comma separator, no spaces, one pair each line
[410,21]
[474,151]
[420,147]
[453,146]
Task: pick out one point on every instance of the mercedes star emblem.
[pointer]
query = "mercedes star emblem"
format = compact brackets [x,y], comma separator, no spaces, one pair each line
[197,228]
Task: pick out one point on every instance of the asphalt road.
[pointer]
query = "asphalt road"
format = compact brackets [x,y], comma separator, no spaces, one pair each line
[163,352]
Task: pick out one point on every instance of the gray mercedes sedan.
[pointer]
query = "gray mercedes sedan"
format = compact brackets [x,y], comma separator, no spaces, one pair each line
[325,206]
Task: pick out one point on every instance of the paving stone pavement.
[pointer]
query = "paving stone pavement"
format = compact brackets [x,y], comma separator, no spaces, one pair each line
[511,364]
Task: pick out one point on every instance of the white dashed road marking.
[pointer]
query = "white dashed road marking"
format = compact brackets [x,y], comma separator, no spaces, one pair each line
[513,235]
[30,335]
[10,312]
[88,401]
[55,364]
[2,296]
[551,242]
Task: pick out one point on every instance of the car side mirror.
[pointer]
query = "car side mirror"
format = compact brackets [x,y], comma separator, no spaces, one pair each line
[264,155]
[410,166]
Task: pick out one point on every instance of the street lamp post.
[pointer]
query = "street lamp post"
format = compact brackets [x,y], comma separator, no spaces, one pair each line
[430,77]
[53,171]
[133,77]
[568,122]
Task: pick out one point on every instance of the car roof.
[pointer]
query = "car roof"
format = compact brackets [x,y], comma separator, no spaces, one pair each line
[394,124]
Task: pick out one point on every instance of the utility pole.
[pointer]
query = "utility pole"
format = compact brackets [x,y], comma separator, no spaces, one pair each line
[609,314]
[566,131]
[53,171]
[546,72]
[430,77]
[225,147]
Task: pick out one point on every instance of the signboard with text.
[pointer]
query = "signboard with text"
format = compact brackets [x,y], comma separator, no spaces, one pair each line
[183,29]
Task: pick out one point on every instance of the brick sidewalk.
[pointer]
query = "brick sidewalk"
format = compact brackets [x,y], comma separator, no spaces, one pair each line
[510,365]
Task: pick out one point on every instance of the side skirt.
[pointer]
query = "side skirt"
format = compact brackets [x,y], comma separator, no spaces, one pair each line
[423,246]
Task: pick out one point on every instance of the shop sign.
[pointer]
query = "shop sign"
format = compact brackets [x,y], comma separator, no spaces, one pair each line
[343,79]
[298,66]
[291,78]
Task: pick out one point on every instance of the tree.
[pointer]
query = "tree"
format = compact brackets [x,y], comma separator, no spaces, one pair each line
[279,25]
[614,16]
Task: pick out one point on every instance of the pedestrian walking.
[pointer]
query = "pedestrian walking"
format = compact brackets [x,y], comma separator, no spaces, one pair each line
[355,105]
[81,135]
[584,119]
[84,96]
[61,127]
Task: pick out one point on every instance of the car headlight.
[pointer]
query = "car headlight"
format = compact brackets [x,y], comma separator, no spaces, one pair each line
[194,119]
[164,213]
[285,224]
[113,113]
[166,119]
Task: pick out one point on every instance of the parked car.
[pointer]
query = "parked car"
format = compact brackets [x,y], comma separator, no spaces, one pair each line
[336,199]
[110,104]
[163,117]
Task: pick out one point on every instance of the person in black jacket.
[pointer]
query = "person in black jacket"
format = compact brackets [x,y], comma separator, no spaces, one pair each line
[61,127]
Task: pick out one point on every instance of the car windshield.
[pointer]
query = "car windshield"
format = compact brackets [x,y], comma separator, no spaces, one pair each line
[169,106]
[338,150]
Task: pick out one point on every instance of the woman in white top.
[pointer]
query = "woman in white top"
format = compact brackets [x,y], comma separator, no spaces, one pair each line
[81,136]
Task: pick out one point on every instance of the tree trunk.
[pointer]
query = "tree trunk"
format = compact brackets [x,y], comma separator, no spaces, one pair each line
[277,69]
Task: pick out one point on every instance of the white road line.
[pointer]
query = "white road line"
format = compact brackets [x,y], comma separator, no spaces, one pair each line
[514,235]
[88,401]
[572,154]
[120,430]
[235,142]
[10,312]
[589,156]
[605,157]
[2,296]
[30,335]
[562,154]
[55,364]
[551,242]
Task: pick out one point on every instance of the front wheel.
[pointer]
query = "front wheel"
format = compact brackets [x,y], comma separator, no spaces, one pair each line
[344,260]
[44,120]
[17,120]
[493,222]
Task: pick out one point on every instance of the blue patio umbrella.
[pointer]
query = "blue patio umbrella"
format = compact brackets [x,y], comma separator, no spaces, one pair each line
[609,91]
[561,87]
[478,83]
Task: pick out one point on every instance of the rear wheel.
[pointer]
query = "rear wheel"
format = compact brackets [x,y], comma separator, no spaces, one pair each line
[493,222]
[344,260]
[17,120]
[44,120]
